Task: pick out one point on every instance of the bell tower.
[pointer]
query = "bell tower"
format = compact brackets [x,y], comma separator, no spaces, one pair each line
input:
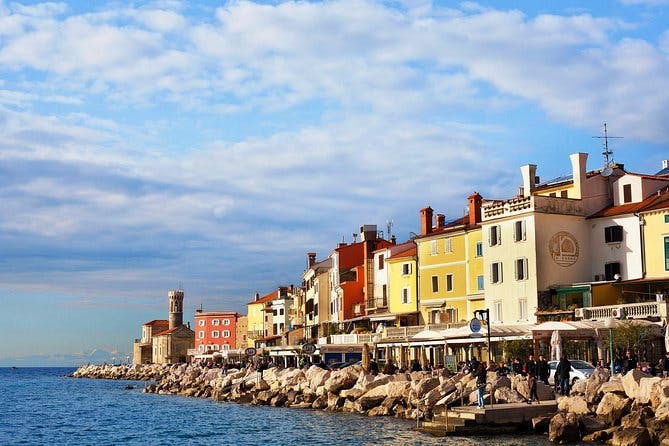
[176,302]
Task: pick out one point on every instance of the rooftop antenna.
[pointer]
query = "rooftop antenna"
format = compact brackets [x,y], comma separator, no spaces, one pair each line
[608,154]
[355,237]
[389,226]
[180,286]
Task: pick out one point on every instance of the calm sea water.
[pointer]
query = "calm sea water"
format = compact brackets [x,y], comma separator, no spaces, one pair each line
[43,406]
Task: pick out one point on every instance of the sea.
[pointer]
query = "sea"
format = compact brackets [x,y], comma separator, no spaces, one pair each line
[43,406]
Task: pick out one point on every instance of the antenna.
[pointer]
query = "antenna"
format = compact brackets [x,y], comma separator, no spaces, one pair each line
[389,226]
[355,237]
[608,154]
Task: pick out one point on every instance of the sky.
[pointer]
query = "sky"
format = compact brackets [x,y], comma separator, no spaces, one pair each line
[148,146]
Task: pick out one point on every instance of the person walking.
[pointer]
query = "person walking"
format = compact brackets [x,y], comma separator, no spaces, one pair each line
[532,384]
[481,375]
[530,366]
[630,362]
[516,366]
[543,370]
[562,374]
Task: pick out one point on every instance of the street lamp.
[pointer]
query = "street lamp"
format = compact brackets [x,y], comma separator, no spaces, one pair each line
[609,324]
[484,315]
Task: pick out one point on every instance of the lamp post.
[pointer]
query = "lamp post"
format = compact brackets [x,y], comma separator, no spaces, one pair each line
[480,315]
[609,325]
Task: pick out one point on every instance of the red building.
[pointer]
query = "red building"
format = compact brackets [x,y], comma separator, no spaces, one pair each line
[215,330]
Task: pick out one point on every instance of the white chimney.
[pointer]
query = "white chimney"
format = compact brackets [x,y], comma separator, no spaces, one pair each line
[529,172]
[578,162]
[665,164]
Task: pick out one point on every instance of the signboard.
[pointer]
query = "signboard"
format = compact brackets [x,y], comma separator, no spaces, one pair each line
[309,349]
[250,351]
[451,363]
[475,325]
[563,248]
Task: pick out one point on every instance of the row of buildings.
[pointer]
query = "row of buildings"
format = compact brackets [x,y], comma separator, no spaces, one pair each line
[569,254]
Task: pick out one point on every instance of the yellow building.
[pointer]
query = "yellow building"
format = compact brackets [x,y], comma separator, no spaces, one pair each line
[450,266]
[655,220]
[402,284]
[259,318]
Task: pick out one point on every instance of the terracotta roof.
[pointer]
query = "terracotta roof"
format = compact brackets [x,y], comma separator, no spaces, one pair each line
[267,297]
[403,250]
[171,330]
[268,338]
[654,201]
[217,313]
[155,322]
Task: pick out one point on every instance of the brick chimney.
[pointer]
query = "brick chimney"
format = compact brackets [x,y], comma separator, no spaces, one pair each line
[426,220]
[441,221]
[475,201]
[311,259]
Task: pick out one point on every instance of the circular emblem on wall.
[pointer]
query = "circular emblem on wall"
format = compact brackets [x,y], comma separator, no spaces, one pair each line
[563,247]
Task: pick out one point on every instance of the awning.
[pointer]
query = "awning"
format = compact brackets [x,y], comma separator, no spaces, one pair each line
[427,335]
[382,317]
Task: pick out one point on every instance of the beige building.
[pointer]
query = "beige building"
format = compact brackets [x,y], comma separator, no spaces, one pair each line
[143,347]
[242,331]
[537,244]
[316,285]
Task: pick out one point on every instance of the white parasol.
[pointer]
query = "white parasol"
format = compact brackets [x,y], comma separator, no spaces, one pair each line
[666,338]
[556,346]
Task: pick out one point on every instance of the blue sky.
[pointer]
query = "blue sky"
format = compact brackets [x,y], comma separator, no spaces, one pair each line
[151,144]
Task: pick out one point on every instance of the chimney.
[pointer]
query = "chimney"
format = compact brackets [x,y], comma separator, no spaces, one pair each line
[311,259]
[426,220]
[665,164]
[367,232]
[475,201]
[441,220]
[393,239]
[257,297]
[529,172]
[578,161]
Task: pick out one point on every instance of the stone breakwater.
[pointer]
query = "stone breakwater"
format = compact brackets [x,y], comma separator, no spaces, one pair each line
[402,395]
[624,410]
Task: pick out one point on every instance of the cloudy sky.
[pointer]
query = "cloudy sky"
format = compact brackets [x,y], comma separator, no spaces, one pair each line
[151,145]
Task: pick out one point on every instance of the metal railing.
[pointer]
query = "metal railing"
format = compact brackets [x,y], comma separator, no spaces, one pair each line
[641,310]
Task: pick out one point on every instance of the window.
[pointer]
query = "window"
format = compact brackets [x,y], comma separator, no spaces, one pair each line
[611,269]
[495,235]
[214,347]
[405,295]
[280,311]
[226,347]
[519,231]
[521,269]
[552,194]
[613,234]
[215,334]
[215,322]
[522,309]
[226,321]
[201,322]
[226,333]
[451,315]
[497,311]
[200,334]
[384,293]
[479,282]
[381,264]
[666,218]
[433,247]
[449,282]
[496,272]
[201,348]
[627,193]
[435,284]
[666,253]
[563,194]
[406,269]
[448,245]
[479,249]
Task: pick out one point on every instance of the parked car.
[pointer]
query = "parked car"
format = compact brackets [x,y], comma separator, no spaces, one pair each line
[579,370]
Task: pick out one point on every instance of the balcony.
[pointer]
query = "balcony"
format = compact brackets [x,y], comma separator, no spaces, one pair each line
[643,310]
[377,303]
[407,332]
[343,339]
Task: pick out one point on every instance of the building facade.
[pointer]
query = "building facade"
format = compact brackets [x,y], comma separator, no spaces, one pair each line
[216,331]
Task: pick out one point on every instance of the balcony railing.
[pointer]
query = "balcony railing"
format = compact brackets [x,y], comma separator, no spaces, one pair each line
[407,332]
[379,302]
[641,310]
[351,339]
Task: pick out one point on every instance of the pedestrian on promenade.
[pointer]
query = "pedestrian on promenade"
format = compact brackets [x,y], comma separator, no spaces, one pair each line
[665,365]
[415,366]
[517,366]
[530,366]
[481,381]
[630,362]
[543,370]
[562,374]
[532,384]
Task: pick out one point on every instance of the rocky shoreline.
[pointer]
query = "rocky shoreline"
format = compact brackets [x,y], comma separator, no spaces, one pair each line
[624,410]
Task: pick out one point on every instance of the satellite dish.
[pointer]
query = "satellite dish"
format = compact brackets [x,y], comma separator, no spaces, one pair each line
[606,172]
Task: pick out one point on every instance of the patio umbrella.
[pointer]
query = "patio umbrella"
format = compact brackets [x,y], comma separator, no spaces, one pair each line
[666,338]
[365,357]
[556,346]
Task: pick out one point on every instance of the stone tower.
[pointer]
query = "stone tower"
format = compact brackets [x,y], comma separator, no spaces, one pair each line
[176,299]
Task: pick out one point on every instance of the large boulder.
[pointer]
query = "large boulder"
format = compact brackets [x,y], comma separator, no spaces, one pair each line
[506,395]
[594,384]
[519,384]
[658,392]
[662,410]
[631,381]
[637,417]
[638,436]
[615,384]
[497,382]
[645,389]
[342,379]
[564,428]
[612,407]
[574,404]
[579,387]
[420,388]
[590,425]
